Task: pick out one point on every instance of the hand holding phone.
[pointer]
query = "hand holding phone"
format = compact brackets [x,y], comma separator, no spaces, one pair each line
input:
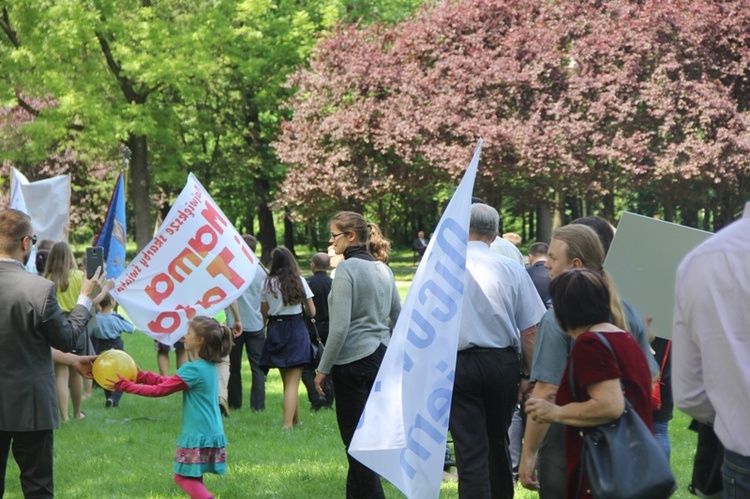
[94,260]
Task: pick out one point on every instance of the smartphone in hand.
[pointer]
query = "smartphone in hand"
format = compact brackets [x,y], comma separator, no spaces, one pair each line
[94,259]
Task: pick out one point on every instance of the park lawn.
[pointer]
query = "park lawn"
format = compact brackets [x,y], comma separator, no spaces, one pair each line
[127,452]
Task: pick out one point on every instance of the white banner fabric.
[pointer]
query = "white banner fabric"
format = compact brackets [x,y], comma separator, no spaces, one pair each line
[402,432]
[196,264]
[45,201]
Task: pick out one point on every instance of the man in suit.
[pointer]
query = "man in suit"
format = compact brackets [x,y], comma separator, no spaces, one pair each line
[320,285]
[31,324]
[538,272]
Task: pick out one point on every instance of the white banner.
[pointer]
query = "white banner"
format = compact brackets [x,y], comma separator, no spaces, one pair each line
[402,432]
[45,201]
[197,264]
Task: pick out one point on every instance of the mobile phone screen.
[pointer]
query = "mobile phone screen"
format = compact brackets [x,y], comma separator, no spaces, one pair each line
[94,259]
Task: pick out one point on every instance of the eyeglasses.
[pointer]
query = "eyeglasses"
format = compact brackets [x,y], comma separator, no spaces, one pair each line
[32,237]
[334,236]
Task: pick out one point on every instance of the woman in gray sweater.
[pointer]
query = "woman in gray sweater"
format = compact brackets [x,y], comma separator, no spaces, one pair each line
[363,307]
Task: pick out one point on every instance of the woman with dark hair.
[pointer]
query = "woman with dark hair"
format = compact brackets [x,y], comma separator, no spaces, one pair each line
[581,301]
[283,298]
[363,307]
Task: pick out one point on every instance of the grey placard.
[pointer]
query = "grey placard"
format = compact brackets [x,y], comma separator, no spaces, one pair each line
[643,261]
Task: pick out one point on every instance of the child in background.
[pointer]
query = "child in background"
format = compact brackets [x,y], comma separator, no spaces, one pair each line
[61,268]
[107,336]
[201,445]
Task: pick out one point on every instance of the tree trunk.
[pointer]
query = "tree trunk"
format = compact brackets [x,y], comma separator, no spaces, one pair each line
[544,223]
[266,232]
[289,234]
[558,214]
[140,188]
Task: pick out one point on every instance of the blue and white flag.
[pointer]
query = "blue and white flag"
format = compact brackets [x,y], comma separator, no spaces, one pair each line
[112,236]
[402,432]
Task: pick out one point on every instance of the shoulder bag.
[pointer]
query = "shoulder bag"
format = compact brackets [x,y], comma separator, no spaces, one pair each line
[622,459]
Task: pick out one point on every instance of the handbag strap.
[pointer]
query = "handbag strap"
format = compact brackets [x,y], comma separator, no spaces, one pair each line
[664,359]
[609,346]
[315,328]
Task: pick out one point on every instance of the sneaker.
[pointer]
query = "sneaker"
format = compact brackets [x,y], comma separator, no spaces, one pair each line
[109,403]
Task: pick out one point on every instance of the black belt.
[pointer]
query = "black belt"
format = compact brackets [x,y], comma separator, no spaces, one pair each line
[485,349]
[282,318]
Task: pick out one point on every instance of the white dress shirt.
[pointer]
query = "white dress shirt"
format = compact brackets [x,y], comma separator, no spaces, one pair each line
[499,300]
[508,249]
[711,333]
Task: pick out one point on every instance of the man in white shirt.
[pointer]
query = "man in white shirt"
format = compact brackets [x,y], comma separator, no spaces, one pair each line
[499,301]
[711,350]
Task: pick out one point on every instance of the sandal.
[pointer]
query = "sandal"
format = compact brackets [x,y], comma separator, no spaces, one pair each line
[82,415]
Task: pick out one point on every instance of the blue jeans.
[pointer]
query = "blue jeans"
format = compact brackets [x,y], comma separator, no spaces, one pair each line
[736,471]
[661,432]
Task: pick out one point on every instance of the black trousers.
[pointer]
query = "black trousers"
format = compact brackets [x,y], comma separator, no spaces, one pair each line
[353,383]
[485,392]
[253,343]
[33,453]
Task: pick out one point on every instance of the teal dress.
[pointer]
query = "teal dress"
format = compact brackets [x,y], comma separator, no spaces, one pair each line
[201,447]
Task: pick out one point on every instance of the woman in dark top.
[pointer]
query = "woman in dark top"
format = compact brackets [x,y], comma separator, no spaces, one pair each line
[580,299]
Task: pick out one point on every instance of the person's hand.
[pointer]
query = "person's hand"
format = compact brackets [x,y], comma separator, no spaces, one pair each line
[541,411]
[108,285]
[527,472]
[320,379]
[93,286]
[121,385]
[83,365]
[237,328]
[524,390]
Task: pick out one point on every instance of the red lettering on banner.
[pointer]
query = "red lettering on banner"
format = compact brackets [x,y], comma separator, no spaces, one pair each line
[153,291]
[196,242]
[212,296]
[212,216]
[189,311]
[157,325]
[220,265]
[179,262]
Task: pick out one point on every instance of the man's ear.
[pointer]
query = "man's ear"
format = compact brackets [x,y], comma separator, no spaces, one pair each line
[577,263]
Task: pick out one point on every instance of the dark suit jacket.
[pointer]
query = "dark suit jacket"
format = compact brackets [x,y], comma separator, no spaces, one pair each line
[541,278]
[320,285]
[31,322]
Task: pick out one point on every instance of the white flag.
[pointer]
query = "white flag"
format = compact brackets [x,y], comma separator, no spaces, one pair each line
[45,201]
[196,264]
[402,432]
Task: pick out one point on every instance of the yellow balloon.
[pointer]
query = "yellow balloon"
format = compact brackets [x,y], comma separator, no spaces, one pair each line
[112,363]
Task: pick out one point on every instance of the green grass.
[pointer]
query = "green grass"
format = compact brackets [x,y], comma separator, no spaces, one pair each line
[127,452]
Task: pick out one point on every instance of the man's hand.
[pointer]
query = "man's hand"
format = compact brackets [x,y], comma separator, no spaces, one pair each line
[84,365]
[524,390]
[237,328]
[527,472]
[92,288]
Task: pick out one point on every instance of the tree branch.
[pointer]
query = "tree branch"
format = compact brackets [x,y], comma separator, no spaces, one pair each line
[9,31]
[26,106]
[125,84]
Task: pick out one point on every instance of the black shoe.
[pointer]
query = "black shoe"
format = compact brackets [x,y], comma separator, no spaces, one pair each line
[320,402]
[109,403]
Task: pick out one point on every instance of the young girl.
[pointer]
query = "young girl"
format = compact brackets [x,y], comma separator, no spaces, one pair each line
[61,269]
[200,446]
[287,343]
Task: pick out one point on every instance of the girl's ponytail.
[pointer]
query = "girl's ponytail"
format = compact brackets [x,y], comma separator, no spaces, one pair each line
[377,244]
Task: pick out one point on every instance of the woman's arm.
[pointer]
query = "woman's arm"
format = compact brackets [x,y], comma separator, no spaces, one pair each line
[309,307]
[264,311]
[606,404]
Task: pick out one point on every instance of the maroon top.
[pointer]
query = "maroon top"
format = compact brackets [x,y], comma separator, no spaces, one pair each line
[593,363]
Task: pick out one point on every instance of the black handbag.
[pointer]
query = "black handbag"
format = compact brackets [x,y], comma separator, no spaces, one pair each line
[622,459]
[316,347]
